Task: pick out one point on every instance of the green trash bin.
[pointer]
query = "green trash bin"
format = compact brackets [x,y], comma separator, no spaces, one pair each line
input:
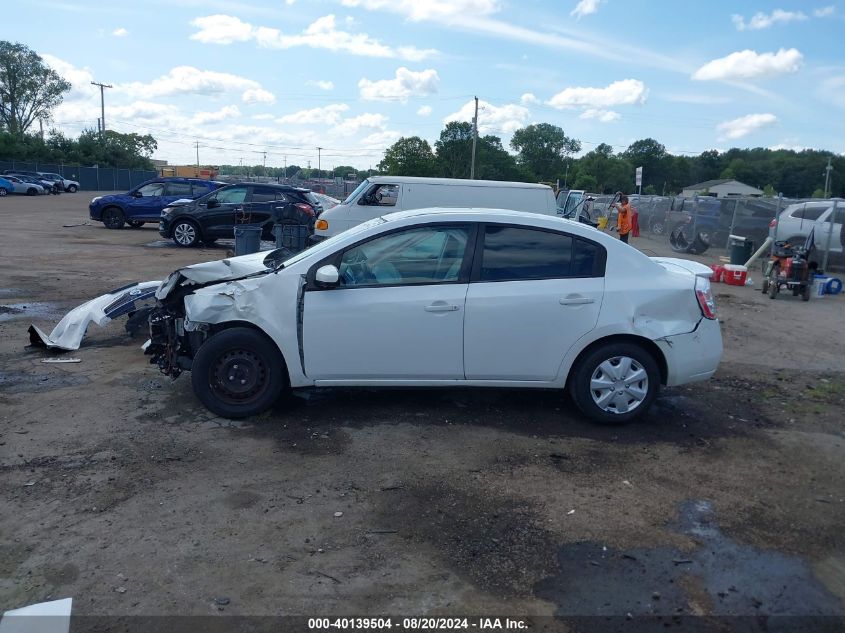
[741,250]
[247,239]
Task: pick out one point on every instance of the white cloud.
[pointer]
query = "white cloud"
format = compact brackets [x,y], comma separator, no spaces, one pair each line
[419,10]
[120,32]
[405,84]
[263,117]
[221,29]
[258,95]
[330,115]
[824,12]
[145,111]
[832,90]
[765,20]
[749,64]
[528,98]
[696,98]
[226,112]
[322,84]
[604,116]
[745,125]
[585,7]
[80,78]
[424,110]
[381,139]
[366,121]
[322,33]
[187,79]
[495,119]
[625,92]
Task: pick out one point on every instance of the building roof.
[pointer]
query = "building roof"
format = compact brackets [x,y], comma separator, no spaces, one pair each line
[713,183]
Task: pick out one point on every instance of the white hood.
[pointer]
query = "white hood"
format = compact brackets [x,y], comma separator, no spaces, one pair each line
[219,270]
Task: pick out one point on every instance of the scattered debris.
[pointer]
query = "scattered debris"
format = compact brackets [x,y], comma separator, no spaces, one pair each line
[120,589]
[682,561]
[29,483]
[319,573]
[338,514]
[61,360]
[67,226]
[222,601]
[571,512]
[382,531]
[626,482]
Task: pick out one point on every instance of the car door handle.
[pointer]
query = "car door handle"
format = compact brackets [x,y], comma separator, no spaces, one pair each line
[575,301]
[441,307]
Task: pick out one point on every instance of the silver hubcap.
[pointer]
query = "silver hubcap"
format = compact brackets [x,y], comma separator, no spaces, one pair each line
[185,234]
[619,385]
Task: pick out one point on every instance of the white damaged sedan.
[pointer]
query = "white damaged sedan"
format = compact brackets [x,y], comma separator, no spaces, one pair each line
[442,297]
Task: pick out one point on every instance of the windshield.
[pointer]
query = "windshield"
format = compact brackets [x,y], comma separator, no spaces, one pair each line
[328,244]
[358,190]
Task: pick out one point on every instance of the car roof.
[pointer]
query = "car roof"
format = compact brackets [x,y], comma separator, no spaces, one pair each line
[272,185]
[455,181]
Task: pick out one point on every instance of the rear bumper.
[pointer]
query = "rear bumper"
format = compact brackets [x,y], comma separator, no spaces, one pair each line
[693,356]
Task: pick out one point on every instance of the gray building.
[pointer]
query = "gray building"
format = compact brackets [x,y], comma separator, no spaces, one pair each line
[721,189]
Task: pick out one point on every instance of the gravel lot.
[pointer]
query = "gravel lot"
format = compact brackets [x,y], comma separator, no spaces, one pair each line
[121,491]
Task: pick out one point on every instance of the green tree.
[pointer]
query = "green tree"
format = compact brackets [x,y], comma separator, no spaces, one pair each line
[409,156]
[543,148]
[587,182]
[29,89]
[454,149]
[769,191]
[653,158]
[818,193]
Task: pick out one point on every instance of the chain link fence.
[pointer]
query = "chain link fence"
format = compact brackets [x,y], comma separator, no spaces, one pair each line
[706,226]
[89,178]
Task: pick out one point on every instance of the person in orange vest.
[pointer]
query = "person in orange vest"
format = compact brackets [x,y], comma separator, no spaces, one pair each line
[623,218]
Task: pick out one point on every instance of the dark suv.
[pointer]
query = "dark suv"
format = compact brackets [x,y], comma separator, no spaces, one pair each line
[216,214]
[145,202]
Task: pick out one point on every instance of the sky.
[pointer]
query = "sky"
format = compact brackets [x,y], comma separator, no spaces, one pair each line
[253,81]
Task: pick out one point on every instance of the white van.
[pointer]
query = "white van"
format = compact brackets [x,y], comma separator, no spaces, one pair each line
[379,195]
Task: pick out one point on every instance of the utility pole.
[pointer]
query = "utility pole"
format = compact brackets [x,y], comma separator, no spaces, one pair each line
[41,128]
[319,171]
[286,167]
[197,143]
[102,105]
[264,167]
[827,171]
[474,141]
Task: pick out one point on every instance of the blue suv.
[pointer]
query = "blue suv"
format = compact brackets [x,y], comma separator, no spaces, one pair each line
[145,202]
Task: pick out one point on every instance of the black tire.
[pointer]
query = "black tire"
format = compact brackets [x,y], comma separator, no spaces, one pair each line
[113,218]
[186,233]
[71,189]
[238,373]
[805,293]
[32,191]
[3,192]
[773,286]
[765,286]
[135,224]
[583,372]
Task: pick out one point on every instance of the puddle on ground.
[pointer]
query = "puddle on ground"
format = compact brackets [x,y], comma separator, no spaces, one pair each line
[30,310]
[10,292]
[719,578]
[19,382]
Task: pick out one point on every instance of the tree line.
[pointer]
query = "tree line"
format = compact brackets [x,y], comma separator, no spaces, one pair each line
[543,153]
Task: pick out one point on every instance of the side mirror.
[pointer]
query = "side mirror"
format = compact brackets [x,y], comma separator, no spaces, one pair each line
[212,203]
[327,276]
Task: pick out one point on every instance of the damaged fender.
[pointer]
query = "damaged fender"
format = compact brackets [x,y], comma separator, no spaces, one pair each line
[70,331]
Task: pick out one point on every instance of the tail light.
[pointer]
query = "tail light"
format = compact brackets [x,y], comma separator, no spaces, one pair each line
[704,294]
[305,208]
[773,223]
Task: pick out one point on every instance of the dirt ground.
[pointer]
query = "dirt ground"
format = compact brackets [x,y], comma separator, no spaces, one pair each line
[121,491]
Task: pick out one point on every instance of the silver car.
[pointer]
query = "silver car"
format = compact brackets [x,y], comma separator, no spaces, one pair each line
[797,220]
[21,186]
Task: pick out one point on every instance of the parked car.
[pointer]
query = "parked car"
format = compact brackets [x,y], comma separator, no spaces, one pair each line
[797,220]
[68,185]
[6,187]
[22,186]
[45,185]
[216,214]
[326,202]
[442,297]
[378,195]
[145,202]
[50,184]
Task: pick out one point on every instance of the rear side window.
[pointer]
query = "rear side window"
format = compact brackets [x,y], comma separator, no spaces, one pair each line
[512,253]
[809,213]
[200,189]
[178,189]
[263,194]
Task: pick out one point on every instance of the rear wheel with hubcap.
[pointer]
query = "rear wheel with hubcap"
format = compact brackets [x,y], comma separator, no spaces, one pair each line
[71,189]
[3,192]
[238,372]
[113,218]
[186,233]
[615,382]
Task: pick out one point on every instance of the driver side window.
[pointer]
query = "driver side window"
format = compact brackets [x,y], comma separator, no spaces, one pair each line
[383,196]
[152,189]
[423,255]
[235,195]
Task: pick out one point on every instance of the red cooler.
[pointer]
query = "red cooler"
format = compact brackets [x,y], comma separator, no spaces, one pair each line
[718,272]
[734,274]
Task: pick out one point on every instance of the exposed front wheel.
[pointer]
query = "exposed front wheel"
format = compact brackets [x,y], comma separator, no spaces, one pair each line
[186,233]
[71,189]
[135,224]
[615,383]
[113,218]
[3,192]
[32,191]
[238,372]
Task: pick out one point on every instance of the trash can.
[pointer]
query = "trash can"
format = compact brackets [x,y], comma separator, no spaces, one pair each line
[741,250]
[247,239]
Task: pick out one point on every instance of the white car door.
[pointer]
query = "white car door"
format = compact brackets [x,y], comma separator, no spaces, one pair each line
[397,313]
[532,294]
[825,233]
